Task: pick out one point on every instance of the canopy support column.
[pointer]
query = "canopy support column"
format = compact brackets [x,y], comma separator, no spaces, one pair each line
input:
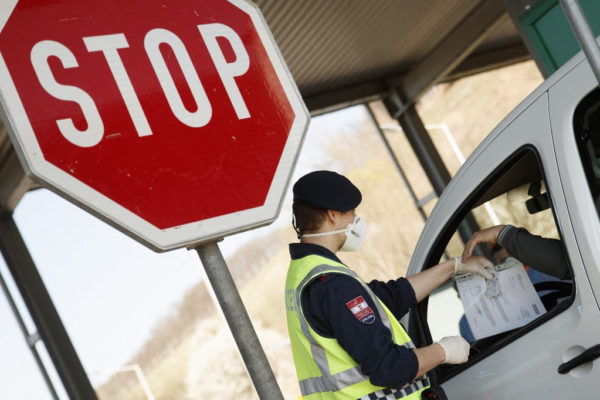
[42,311]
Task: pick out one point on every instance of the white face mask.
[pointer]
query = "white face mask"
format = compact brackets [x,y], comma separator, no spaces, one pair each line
[356,232]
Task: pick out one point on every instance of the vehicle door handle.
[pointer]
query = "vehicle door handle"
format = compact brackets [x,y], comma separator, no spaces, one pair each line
[588,355]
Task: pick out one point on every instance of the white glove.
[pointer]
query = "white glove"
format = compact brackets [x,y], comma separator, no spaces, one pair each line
[456,349]
[475,265]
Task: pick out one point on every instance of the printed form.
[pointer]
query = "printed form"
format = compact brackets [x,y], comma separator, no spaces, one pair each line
[516,305]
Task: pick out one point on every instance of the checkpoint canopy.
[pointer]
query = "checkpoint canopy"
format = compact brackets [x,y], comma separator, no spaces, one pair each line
[178,122]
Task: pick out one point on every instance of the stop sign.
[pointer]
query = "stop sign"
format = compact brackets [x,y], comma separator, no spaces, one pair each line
[175,121]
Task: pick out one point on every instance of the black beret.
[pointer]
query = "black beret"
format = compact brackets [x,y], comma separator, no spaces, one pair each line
[327,189]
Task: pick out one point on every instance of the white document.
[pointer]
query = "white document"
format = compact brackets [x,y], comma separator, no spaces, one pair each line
[517,304]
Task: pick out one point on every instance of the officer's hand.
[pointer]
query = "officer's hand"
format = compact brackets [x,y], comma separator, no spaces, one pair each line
[489,235]
[475,265]
[456,349]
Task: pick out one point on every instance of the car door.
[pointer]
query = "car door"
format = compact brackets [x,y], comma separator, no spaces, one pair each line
[523,362]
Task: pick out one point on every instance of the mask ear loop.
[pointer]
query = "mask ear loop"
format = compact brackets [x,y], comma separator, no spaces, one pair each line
[325,233]
[298,233]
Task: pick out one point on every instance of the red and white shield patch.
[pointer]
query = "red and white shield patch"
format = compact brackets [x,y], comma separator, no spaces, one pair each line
[361,310]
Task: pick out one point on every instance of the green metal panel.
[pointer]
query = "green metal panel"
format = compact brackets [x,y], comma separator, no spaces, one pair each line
[550,33]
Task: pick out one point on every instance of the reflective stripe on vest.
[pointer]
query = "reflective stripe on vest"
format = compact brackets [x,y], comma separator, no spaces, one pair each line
[332,383]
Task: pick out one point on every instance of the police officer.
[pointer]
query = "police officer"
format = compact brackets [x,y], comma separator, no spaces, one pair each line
[346,340]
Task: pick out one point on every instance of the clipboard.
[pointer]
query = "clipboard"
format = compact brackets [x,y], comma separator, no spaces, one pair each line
[517,304]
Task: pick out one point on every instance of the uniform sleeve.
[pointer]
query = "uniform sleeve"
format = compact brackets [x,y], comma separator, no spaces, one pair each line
[543,254]
[340,307]
[398,295]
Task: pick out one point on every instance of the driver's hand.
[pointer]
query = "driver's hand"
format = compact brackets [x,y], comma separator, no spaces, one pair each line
[489,235]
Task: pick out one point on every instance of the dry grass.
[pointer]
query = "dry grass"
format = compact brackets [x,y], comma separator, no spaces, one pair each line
[200,360]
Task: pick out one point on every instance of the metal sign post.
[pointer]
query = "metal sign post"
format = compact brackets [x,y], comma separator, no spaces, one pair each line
[239,322]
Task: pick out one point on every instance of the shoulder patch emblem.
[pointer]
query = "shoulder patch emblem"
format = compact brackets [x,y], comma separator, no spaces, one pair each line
[361,310]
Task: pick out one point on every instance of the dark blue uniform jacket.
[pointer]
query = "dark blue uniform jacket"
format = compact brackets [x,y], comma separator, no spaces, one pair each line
[327,303]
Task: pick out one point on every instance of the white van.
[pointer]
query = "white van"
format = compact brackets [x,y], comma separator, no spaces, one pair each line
[552,137]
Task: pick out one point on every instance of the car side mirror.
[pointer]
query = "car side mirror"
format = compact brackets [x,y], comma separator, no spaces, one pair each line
[539,201]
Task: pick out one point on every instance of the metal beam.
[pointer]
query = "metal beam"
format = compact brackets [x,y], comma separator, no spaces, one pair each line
[42,311]
[454,49]
[418,203]
[14,182]
[486,61]
[344,97]
[420,141]
[31,339]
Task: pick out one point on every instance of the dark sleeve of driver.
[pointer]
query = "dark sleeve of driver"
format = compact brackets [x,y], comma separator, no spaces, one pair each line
[543,254]
[338,306]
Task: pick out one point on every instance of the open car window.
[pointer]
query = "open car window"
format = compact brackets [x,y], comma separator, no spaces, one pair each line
[516,195]
[586,123]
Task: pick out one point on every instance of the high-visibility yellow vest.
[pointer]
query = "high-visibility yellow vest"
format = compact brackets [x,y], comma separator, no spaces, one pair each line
[325,370]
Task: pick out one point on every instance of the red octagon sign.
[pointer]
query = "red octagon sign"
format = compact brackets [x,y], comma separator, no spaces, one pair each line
[175,121]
